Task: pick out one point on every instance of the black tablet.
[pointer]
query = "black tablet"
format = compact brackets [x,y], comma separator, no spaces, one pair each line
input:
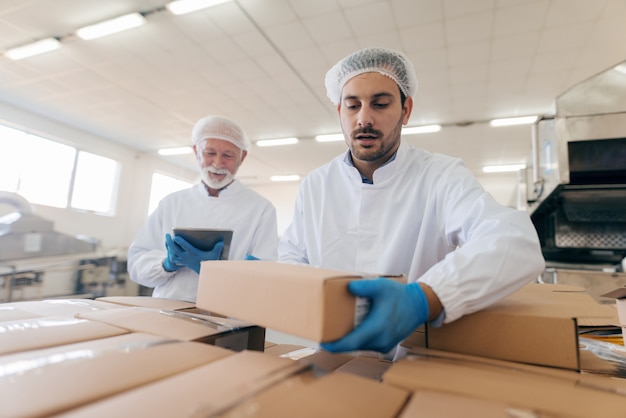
[205,239]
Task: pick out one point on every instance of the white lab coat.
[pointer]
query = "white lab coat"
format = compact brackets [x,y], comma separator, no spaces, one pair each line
[425,216]
[251,217]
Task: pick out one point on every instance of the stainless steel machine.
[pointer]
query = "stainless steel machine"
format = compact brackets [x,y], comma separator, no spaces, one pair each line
[576,182]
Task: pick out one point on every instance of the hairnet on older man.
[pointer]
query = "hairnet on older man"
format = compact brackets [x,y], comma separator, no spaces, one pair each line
[219,127]
[393,64]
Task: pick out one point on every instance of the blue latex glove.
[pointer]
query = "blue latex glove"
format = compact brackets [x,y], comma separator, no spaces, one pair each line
[396,310]
[251,257]
[181,253]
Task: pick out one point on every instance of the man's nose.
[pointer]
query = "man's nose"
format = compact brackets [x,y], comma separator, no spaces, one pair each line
[365,118]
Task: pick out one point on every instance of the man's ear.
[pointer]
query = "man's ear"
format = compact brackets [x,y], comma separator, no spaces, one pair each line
[407,109]
[244,154]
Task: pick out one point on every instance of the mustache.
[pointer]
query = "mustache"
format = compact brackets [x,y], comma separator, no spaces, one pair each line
[368,130]
[217,170]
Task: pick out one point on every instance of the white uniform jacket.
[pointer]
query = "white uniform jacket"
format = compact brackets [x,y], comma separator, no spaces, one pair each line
[425,216]
[251,217]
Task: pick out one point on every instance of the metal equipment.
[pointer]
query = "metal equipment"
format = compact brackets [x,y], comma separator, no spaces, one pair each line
[577,193]
[25,236]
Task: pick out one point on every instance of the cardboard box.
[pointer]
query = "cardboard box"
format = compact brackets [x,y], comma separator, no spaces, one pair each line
[300,300]
[228,333]
[331,395]
[547,391]
[49,381]
[204,391]
[536,325]
[42,332]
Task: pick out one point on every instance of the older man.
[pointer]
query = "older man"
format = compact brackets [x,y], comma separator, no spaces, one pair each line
[170,264]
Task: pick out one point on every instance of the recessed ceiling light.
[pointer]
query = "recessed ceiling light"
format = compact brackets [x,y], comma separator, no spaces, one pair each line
[111,26]
[505,168]
[291,177]
[35,48]
[276,142]
[426,129]
[181,7]
[329,137]
[524,120]
[176,151]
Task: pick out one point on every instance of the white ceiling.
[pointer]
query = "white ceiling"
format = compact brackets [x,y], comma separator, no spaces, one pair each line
[262,62]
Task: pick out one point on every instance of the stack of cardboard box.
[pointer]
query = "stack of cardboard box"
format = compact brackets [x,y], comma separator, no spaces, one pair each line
[141,356]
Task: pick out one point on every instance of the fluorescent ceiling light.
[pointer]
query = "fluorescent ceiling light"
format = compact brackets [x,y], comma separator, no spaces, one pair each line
[329,138]
[506,168]
[39,47]
[176,151]
[524,120]
[180,7]
[292,177]
[426,129]
[275,142]
[109,27]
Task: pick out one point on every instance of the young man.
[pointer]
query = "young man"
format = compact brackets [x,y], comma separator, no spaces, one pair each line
[388,208]
[170,264]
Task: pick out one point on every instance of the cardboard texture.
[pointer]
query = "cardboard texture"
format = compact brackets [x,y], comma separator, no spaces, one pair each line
[42,332]
[45,382]
[148,302]
[205,391]
[536,325]
[300,300]
[335,395]
[430,404]
[228,333]
[541,389]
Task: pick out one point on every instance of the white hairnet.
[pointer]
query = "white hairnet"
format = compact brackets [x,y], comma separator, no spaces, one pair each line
[393,64]
[219,127]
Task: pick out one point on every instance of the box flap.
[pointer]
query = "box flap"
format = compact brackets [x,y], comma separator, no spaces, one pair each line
[618,293]
[172,324]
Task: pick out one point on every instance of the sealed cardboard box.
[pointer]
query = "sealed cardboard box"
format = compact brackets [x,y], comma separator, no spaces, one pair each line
[300,300]
[204,391]
[223,332]
[547,391]
[48,381]
[50,331]
[539,325]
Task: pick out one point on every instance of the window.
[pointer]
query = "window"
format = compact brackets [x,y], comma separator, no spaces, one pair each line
[163,185]
[46,172]
[95,182]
